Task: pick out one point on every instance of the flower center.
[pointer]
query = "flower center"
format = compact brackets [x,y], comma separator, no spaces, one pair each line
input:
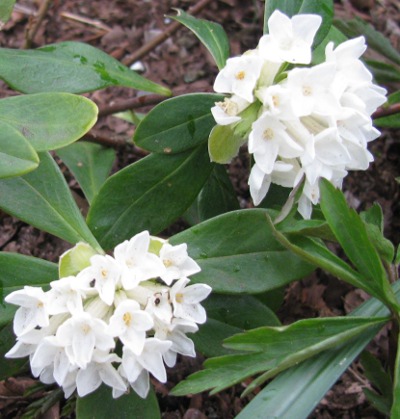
[167,263]
[127,318]
[240,75]
[228,106]
[104,273]
[275,101]
[86,329]
[179,297]
[307,90]
[268,134]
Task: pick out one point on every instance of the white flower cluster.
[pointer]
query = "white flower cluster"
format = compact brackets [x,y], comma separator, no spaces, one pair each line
[115,322]
[312,121]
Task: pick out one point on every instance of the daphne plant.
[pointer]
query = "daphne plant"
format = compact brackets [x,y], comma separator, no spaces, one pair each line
[139,297]
[129,298]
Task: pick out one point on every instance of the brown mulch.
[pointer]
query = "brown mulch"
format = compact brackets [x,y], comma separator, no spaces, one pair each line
[121,27]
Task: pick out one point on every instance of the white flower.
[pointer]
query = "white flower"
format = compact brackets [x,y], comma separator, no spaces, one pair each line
[239,76]
[100,370]
[284,174]
[130,323]
[80,335]
[103,274]
[310,90]
[289,39]
[136,262]
[33,309]
[268,139]
[150,359]
[226,112]
[159,305]
[176,333]
[177,262]
[276,99]
[186,300]
[65,296]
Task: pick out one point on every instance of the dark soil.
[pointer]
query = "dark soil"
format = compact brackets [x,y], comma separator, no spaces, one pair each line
[120,27]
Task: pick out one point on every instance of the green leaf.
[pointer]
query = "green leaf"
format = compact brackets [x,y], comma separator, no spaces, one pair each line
[352,235]
[391,121]
[209,338]
[383,72]
[8,366]
[395,411]
[16,272]
[6,8]
[72,67]
[147,195]
[217,196]
[273,350]
[75,260]
[294,7]
[49,120]
[224,144]
[375,39]
[223,321]
[100,404]
[17,156]
[177,124]
[248,312]
[237,253]
[375,373]
[211,34]
[90,164]
[297,391]
[42,198]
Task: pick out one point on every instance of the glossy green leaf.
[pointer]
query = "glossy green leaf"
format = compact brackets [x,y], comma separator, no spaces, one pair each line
[16,272]
[352,235]
[377,376]
[395,411]
[17,156]
[148,195]
[75,260]
[223,321]
[208,340]
[224,144]
[49,120]
[42,198]
[293,7]
[375,39]
[6,8]
[297,391]
[242,311]
[177,124]
[390,121]
[9,366]
[101,404]
[273,350]
[218,195]
[211,34]
[237,253]
[90,164]
[72,67]
[384,72]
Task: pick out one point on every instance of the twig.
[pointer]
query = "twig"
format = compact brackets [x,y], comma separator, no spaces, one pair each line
[386,111]
[91,22]
[134,103]
[141,52]
[93,137]
[32,29]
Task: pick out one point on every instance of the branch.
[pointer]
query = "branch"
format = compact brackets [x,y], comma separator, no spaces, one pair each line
[386,111]
[145,49]
[33,28]
[134,103]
